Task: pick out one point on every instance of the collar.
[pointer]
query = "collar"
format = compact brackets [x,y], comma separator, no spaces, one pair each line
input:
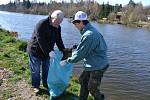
[49,20]
[85,28]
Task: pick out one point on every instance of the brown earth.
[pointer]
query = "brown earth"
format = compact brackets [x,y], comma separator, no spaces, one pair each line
[21,90]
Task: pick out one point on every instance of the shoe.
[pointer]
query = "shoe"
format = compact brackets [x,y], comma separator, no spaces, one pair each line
[35,90]
[102,97]
[99,97]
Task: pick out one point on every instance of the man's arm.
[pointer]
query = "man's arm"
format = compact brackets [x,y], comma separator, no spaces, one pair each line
[59,41]
[83,49]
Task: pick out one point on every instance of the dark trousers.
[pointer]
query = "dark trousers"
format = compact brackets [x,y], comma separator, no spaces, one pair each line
[90,82]
[37,64]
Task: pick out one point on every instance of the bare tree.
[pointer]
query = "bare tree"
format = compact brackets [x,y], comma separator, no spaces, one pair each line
[137,14]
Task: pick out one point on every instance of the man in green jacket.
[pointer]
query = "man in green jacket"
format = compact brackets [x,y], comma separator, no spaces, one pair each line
[92,49]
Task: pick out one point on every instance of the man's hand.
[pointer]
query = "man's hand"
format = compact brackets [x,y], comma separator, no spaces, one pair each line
[52,54]
[63,63]
[67,52]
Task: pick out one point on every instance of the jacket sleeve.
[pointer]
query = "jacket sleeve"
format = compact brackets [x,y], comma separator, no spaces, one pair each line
[40,36]
[83,49]
[59,41]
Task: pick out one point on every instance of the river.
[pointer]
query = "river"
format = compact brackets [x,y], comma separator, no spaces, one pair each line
[128,77]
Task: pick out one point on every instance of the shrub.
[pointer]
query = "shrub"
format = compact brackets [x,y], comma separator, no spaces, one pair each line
[22,45]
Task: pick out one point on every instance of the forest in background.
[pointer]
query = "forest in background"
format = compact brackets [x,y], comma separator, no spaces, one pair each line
[130,13]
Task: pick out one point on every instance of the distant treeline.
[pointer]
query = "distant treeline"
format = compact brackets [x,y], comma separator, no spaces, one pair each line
[96,11]
[93,9]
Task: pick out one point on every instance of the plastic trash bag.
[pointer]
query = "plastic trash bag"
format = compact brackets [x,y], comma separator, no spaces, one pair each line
[58,77]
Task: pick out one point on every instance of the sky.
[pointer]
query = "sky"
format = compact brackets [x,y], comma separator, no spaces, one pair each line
[112,2]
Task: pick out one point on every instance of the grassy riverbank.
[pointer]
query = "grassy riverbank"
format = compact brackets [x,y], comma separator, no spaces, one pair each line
[14,60]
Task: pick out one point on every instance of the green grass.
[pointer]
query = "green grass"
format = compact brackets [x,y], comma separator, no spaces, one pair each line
[13,56]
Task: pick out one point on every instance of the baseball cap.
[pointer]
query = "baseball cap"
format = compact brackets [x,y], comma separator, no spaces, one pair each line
[80,15]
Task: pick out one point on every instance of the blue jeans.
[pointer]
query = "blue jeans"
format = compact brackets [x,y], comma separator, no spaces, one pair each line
[37,64]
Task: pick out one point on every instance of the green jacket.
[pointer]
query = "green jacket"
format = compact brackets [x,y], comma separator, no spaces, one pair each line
[92,49]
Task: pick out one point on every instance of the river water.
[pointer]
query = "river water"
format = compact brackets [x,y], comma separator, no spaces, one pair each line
[128,77]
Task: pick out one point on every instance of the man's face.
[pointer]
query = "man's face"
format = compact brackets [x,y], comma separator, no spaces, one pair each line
[56,21]
[79,26]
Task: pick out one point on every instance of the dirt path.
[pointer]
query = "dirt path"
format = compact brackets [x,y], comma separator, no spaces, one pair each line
[19,91]
[25,92]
